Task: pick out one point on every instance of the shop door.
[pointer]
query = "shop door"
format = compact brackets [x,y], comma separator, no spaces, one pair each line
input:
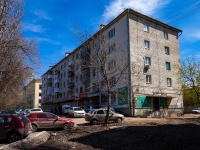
[156,105]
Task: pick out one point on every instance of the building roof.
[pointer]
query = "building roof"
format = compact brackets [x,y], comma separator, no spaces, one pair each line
[124,13]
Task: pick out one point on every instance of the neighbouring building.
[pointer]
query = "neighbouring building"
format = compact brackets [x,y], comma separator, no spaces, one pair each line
[149,84]
[32,93]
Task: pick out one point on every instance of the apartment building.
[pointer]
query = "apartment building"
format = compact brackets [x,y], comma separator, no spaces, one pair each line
[32,93]
[149,49]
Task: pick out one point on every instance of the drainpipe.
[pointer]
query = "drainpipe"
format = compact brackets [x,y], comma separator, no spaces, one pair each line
[131,107]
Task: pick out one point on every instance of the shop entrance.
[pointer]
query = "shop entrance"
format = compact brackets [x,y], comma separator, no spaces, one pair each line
[156,105]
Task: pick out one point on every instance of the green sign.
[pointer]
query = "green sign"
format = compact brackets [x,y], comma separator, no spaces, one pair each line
[122,95]
[142,101]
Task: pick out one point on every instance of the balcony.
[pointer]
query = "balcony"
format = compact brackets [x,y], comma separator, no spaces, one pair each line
[56,80]
[50,76]
[70,85]
[70,73]
[85,52]
[70,63]
[86,79]
[56,90]
[49,90]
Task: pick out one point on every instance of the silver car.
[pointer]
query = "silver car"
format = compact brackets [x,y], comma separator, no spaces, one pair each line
[76,112]
[99,115]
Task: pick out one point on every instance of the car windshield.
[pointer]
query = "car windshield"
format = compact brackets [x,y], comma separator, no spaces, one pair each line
[77,109]
[24,119]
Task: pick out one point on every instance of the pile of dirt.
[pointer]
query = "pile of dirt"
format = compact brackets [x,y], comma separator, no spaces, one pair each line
[145,134]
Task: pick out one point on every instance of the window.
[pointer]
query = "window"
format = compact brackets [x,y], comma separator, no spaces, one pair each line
[146,28]
[169,82]
[111,65]
[112,81]
[168,66]
[41,116]
[51,116]
[81,89]
[111,48]
[100,112]
[94,72]
[166,50]
[147,61]
[148,79]
[111,33]
[147,44]
[166,35]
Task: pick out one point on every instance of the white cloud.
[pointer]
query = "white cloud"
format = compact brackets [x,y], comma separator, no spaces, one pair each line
[32,28]
[41,14]
[147,7]
[39,39]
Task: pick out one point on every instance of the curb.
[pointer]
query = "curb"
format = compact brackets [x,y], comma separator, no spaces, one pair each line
[32,140]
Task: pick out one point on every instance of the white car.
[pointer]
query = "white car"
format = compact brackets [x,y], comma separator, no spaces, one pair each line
[65,109]
[76,112]
[196,111]
[36,110]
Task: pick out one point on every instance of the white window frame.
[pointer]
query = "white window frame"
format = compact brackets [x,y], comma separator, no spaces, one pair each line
[167,50]
[166,36]
[147,44]
[146,28]
[169,82]
[147,61]
[148,79]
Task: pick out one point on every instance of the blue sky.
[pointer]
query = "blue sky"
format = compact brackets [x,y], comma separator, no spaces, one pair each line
[50,23]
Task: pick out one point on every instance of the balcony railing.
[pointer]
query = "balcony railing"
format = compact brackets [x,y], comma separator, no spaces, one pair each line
[49,90]
[70,73]
[56,90]
[50,76]
[56,80]
[70,85]
[86,79]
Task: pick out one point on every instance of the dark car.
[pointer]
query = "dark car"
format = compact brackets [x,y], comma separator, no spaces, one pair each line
[14,127]
[42,120]
[98,115]
[8,112]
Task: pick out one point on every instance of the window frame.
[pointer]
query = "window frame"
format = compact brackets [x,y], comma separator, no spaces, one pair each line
[146,28]
[169,82]
[147,44]
[167,52]
[168,65]
[111,33]
[148,79]
[166,35]
[147,61]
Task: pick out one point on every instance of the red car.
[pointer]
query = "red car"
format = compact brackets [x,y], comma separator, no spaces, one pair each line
[14,127]
[44,120]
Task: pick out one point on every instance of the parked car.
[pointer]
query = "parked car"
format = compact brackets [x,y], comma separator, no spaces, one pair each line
[89,108]
[26,111]
[42,120]
[36,110]
[112,109]
[196,111]
[98,115]
[76,112]
[9,112]
[65,109]
[14,127]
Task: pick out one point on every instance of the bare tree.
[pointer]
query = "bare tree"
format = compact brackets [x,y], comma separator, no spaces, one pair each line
[189,73]
[105,58]
[17,55]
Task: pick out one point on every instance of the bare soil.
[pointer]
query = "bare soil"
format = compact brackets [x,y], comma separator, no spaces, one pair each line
[136,133]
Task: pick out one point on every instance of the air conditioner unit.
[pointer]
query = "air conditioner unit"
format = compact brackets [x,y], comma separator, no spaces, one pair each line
[147,66]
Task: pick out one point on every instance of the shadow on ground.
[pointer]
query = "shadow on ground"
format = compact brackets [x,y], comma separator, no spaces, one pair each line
[184,136]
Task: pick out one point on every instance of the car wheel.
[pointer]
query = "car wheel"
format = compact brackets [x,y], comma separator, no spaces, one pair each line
[119,120]
[66,126]
[34,127]
[94,122]
[14,136]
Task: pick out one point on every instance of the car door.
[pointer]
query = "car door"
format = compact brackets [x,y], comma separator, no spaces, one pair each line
[53,121]
[41,120]
[100,115]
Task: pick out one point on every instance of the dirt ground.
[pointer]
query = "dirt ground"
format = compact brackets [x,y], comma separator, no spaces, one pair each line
[136,133]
